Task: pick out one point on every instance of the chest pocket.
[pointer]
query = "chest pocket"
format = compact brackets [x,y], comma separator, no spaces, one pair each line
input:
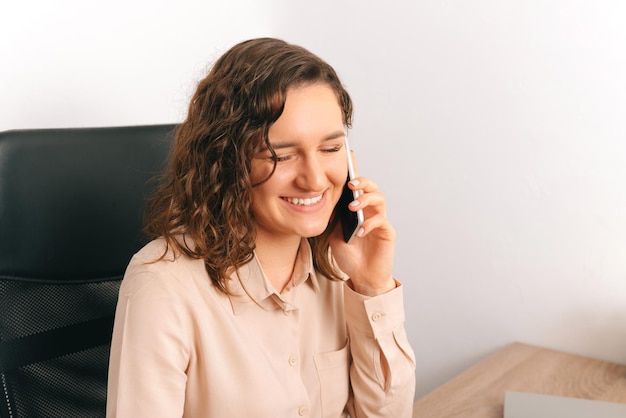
[333,370]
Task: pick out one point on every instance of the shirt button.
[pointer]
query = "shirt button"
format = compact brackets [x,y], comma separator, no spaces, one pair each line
[303,410]
[292,360]
[376,316]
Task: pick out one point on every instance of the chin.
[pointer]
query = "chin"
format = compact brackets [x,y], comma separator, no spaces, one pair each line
[311,233]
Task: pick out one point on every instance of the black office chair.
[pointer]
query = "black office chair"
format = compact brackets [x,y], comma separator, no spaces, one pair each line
[71,206]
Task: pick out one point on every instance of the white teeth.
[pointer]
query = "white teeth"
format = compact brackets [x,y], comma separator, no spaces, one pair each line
[303,202]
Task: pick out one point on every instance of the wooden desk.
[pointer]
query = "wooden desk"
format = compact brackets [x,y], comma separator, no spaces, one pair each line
[479,391]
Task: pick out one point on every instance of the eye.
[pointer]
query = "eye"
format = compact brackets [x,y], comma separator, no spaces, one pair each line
[280,158]
[332,149]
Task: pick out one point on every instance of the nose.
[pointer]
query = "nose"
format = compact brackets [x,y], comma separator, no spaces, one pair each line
[312,174]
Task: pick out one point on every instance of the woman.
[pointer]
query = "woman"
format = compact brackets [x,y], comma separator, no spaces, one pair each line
[248,303]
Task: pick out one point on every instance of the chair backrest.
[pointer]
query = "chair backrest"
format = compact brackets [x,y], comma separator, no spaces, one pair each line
[71,208]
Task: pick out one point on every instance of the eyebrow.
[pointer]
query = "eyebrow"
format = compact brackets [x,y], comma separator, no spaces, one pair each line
[280,145]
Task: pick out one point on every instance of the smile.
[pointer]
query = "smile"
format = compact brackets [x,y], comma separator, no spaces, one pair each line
[304,202]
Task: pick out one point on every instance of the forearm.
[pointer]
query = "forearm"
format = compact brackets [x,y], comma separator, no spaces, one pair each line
[382,373]
[370,290]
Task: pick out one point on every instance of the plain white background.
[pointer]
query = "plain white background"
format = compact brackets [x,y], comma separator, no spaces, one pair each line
[497,130]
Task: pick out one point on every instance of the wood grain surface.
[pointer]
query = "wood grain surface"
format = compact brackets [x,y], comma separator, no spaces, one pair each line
[479,391]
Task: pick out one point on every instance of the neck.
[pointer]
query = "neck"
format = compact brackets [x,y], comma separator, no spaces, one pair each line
[278,258]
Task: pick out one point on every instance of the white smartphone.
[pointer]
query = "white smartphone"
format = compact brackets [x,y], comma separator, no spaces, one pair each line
[351,221]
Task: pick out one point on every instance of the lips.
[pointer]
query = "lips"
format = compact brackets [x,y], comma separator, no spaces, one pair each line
[303,202]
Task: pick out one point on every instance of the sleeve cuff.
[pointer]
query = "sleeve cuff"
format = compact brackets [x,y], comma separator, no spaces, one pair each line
[375,315]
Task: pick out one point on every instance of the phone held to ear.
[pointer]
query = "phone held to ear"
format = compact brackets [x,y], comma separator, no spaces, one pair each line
[351,221]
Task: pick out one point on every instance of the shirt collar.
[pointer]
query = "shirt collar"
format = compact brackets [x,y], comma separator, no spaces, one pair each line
[249,285]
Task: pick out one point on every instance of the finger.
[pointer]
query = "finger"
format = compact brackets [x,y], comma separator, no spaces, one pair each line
[379,225]
[363,183]
[374,201]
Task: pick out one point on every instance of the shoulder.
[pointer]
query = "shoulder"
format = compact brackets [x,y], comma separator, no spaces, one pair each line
[159,268]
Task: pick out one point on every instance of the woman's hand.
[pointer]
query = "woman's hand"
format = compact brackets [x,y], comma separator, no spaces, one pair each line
[368,259]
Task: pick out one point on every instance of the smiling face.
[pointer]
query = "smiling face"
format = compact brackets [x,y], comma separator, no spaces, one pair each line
[299,197]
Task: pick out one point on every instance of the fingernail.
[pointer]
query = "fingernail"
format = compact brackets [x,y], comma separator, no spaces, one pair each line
[354,203]
[360,233]
[355,182]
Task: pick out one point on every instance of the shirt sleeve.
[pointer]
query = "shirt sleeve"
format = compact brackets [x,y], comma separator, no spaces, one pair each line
[382,373]
[144,382]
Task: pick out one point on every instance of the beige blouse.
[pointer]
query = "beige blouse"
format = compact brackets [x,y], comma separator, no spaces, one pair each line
[182,349]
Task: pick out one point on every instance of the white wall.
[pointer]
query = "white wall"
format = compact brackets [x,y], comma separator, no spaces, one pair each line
[121,62]
[497,130]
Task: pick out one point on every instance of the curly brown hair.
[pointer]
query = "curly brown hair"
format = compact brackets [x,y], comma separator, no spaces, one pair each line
[205,194]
